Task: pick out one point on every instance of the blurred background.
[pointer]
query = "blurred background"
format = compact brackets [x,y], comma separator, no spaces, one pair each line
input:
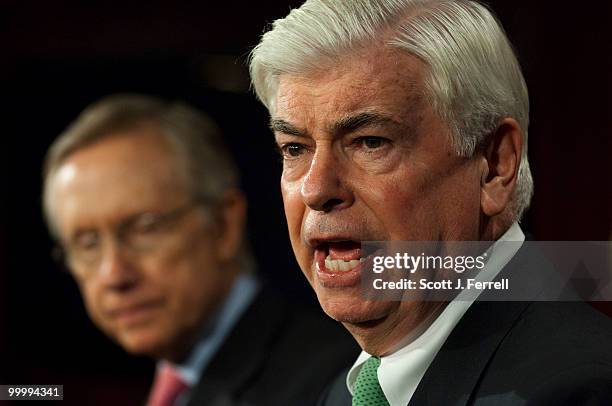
[57,57]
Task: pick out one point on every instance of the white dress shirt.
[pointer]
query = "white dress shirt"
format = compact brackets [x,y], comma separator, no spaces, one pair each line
[400,372]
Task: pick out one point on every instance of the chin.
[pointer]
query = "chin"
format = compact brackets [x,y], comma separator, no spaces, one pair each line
[351,308]
[142,343]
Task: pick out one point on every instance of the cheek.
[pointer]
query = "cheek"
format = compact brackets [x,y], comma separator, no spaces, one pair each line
[189,276]
[191,288]
[408,203]
[187,295]
[462,211]
[294,209]
[397,203]
[92,298]
[444,207]
[409,217]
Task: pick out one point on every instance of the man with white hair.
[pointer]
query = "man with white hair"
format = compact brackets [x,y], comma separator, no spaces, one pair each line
[407,120]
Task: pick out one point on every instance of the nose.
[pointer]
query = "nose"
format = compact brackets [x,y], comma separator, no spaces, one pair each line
[117,270]
[324,187]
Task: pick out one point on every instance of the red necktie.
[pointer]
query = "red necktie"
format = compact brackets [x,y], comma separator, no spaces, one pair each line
[167,387]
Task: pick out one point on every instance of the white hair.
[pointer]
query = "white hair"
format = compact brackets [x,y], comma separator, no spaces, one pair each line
[473,82]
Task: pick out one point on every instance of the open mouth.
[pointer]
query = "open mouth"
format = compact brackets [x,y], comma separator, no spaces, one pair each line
[338,256]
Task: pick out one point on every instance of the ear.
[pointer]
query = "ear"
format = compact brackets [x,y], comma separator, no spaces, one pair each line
[231,218]
[500,167]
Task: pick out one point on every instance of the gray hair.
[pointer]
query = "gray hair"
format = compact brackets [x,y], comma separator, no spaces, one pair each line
[474,79]
[198,144]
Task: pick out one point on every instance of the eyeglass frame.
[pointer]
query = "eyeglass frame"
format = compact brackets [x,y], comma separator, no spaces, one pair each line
[61,253]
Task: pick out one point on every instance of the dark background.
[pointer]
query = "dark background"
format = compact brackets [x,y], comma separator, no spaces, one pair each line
[57,57]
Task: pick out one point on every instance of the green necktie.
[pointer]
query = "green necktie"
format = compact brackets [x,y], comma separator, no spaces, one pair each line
[367,390]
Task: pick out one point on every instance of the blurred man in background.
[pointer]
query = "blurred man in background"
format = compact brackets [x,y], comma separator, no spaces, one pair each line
[143,199]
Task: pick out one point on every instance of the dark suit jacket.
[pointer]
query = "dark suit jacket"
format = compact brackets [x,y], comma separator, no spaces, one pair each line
[518,353]
[277,354]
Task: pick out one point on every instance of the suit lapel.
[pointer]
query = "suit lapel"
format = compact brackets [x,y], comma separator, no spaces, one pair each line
[459,365]
[457,368]
[242,354]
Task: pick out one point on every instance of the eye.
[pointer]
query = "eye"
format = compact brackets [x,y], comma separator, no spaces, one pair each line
[292,150]
[146,223]
[371,142]
[86,241]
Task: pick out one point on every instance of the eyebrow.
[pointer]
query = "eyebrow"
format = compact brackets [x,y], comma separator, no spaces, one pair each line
[343,125]
[285,127]
[360,120]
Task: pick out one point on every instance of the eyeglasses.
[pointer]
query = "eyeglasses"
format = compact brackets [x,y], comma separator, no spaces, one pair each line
[139,234]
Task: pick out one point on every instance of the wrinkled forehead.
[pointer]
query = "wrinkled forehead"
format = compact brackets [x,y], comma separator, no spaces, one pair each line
[385,80]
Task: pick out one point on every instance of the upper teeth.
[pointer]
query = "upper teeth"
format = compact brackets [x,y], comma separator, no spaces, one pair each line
[341,265]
